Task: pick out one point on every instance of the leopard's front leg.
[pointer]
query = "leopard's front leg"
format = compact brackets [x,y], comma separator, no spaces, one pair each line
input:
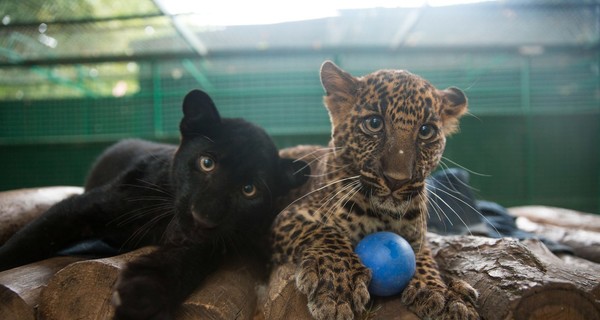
[429,296]
[328,271]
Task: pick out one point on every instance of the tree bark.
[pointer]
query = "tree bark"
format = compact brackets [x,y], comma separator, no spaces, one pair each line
[516,280]
[12,306]
[283,301]
[29,280]
[520,280]
[83,290]
[19,207]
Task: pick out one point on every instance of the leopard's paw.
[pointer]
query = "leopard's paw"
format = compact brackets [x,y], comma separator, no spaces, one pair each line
[456,302]
[424,300]
[461,301]
[336,287]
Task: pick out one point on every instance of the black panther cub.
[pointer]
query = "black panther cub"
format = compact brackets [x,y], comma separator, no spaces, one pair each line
[214,194]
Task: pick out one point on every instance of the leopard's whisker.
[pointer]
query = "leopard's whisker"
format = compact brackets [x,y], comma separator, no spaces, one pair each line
[318,158]
[346,197]
[472,208]
[448,171]
[329,172]
[343,189]
[329,150]
[321,188]
[465,168]
[432,193]
[351,194]
[437,209]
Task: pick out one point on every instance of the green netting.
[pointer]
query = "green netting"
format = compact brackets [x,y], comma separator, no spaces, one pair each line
[534,127]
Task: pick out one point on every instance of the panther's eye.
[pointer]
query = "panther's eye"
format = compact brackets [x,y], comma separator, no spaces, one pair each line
[207,164]
[249,190]
[427,131]
[373,124]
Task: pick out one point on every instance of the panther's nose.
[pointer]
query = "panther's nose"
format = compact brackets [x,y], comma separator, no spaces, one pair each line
[395,181]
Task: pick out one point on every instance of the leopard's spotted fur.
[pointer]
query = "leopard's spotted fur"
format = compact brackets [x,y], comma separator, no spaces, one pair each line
[389,130]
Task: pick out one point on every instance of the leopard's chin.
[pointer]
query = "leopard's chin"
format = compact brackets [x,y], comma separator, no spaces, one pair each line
[389,205]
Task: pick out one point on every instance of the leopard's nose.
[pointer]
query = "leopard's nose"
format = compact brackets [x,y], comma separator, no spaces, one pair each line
[395,181]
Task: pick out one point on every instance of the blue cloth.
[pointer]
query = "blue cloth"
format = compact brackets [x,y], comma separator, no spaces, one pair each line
[453,209]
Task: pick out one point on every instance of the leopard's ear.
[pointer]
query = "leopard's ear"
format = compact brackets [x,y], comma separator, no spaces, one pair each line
[199,112]
[339,85]
[454,106]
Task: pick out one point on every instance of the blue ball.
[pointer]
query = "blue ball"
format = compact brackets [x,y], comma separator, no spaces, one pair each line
[391,261]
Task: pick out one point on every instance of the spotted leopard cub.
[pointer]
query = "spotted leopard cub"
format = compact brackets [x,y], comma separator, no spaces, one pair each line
[389,132]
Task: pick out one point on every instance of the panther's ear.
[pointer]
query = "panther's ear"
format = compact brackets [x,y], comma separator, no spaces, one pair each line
[295,172]
[199,111]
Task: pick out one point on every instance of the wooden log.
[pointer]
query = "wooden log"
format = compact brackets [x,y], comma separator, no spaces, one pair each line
[83,290]
[516,282]
[585,243]
[12,306]
[28,281]
[283,301]
[558,217]
[18,207]
[230,293]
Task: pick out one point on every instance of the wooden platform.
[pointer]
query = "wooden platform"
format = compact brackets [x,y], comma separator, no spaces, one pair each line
[516,279]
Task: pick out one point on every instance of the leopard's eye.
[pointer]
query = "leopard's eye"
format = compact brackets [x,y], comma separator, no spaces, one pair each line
[249,190]
[207,164]
[373,124]
[427,132]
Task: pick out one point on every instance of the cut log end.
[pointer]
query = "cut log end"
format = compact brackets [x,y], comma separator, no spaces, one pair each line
[556,302]
[13,306]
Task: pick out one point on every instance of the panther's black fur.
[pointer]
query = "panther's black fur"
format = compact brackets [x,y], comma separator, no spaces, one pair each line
[214,194]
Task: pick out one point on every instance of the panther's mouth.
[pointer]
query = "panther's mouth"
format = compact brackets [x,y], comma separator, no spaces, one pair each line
[201,221]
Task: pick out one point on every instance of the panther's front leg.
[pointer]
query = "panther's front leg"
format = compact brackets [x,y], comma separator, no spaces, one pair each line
[154,285]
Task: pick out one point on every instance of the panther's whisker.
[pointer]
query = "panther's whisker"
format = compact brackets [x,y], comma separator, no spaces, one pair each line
[143,230]
[150,186]
[140,213]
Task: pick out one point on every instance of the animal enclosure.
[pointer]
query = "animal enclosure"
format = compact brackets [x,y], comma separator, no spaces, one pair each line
[74,79]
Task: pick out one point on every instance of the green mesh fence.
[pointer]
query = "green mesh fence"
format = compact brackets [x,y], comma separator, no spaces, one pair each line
[533,131]
[76,77]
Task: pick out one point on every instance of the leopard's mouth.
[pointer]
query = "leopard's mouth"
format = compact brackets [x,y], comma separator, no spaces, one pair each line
[372,187]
